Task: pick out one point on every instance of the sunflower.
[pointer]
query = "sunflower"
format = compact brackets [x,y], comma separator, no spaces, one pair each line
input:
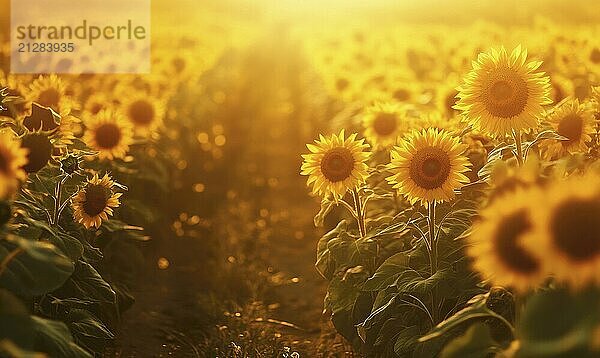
[575,122]
[108,133]
[336,164]
[39,151]
[95,202]
[50,91]
[428,166]
[19,107]
[12,159]
[144,113]
[384,123]
[496,242]
[567,230]
[45,119]
[503,93]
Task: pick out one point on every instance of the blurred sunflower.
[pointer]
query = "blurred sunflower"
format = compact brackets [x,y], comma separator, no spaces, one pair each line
[575,122]
[496,243]
[39,151]
[428,166]
[503,93]
[109,133]
[12,159]
[566,230]
[20,106]
[336,164]
[144,113]
[50,91]
[384,123]
[95,202]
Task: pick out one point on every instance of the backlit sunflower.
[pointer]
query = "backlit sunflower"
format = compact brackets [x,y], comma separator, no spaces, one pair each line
[109,133]
[428,166]
[573,121]
[336,164]
[496,242]
[95,202]
[384,123]
[20,106]
[144,113]
[503,92]
[50,91]
[567,230]
[39,151]
[12,159]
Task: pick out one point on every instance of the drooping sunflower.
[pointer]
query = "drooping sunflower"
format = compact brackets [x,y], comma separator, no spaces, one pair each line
[39,150]
[95,202]
[573,121]
[567,230]
[12,159]
[336,164]
[144,113]
[20,106]
[504,93]
[109,133]
[384,123]
[496,242]
[428,165]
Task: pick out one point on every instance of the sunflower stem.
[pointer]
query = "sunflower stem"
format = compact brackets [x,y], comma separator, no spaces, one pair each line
[432,238]
[359,211]
[57,199]
[519,146]
[433,259]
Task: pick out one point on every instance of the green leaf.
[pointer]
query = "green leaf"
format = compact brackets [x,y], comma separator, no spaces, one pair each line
[325,262]
[326,207]
[54,338]
[476,342]
[32,268]
[89,331]
[476,309]
[387,273]
[87,283]
[559,323]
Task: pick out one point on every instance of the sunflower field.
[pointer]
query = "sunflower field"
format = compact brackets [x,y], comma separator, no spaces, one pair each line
[310,179]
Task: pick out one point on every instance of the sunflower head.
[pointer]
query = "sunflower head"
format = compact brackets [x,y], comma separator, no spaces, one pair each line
[50,91]
[95,201]
[336,164]
[12,160]
[573,121]
[566,230]
[109,133]
[144,113]
[496,242]
[384,123]
[503,92]
[428,166]
[39,148]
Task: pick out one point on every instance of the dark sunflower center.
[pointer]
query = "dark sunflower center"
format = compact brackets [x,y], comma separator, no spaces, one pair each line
[141,112]
[40,151]
[337,164]
[341,84]
[575,229]
[401,94]
[108,135]
[385,124]
[96,199]
[571,127]
[430,168]
[450,101]
[595,55]
[3,162]
[506,94]
[508,247]
[41,118]
[49,98]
